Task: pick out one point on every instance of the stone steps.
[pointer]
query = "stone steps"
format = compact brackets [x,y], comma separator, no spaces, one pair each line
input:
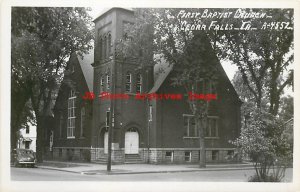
[133,159]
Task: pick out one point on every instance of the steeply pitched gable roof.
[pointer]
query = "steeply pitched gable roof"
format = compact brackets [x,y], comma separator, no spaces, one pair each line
[86,61]
[161,70]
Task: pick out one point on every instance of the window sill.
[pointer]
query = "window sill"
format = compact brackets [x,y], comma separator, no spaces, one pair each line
[187,137]
[71,137]
[212,137]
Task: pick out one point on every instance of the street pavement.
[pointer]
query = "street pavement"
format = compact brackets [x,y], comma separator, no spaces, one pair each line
[37,174]
[62,171]
[93,168]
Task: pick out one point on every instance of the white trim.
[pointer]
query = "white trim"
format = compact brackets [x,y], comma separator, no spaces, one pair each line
[128,83]
[139,83]
[108,79]
[71,120]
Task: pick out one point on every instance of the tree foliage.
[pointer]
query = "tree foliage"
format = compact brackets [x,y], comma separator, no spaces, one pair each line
[262,56]
[264,137]
[42,41]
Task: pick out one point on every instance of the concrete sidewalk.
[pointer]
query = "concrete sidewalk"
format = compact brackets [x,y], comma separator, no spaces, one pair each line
[100,169]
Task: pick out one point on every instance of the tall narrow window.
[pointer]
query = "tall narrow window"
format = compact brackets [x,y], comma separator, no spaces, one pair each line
[107,118]
[60,125]
[71,115]
[107,81]
[27,129]
[108,45]
[150,112]
[101,84]
[139,83]
[101,48]
[104,47]
[128,82]
[189,125]
[82,120]
[213,88]
[212,128]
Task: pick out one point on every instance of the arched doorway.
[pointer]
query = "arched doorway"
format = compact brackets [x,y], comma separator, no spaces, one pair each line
[103,139]
[131,141]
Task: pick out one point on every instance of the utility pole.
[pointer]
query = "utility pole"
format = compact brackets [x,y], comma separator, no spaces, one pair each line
[112,112]
[149,124]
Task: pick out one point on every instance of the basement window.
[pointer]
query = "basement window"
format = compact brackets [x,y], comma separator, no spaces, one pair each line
[59,152]
[187,156]
[169,156]
[214,155]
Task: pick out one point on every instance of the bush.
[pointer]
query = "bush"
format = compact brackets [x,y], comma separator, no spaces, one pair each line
[269,178]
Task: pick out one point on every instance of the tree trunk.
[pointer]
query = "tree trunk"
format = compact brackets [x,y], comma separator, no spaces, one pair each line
[40,138]
[201,123]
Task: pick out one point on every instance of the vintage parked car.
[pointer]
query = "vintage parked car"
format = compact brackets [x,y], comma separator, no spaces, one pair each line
[23,157]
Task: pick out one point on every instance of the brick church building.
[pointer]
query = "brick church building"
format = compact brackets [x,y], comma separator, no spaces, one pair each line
[144,131]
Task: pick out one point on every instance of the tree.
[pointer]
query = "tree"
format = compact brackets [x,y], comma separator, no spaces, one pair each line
[42,41]
[262,56]
[263,136]
[286,110]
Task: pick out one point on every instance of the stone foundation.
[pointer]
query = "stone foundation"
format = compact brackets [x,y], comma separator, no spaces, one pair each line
[182,156]
[154,155]
[71,154]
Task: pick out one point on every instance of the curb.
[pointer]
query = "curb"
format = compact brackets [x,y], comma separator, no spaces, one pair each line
[175,171]
[51,168]
[145,172]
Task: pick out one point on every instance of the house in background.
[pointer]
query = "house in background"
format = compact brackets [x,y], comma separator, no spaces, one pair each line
[28,138]
[144,131]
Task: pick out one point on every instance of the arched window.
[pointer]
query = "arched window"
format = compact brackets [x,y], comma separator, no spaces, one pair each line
[139,83]
[101,88]
[128,82]
[82,120]
[108,45]
[107,81]
[104,47]
[71,115]
[213,87]
[100,49]
[61,121]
